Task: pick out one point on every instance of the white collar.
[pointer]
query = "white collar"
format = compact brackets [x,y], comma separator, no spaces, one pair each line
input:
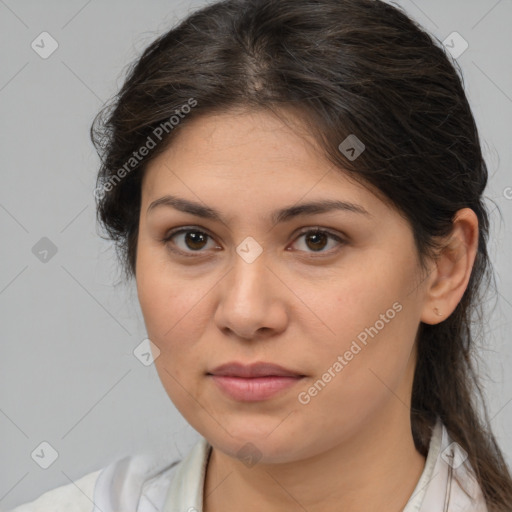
[185,493]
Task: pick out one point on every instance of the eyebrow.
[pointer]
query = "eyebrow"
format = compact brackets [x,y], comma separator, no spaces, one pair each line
[278,216]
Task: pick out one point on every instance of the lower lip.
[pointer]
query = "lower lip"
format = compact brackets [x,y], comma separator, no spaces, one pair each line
[253,389]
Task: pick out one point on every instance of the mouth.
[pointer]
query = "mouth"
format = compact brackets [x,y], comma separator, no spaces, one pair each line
[255,382]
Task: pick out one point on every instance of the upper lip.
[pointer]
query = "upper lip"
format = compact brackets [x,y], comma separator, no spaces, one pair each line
[260,369]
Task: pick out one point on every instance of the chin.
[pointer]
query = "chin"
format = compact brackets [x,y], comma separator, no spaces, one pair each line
[264,445]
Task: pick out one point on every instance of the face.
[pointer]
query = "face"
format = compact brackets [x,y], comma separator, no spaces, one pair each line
[333,295]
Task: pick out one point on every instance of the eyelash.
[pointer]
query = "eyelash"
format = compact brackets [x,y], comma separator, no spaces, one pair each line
[315,230]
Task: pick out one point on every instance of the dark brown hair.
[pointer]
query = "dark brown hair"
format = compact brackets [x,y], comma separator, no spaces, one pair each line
[358,67]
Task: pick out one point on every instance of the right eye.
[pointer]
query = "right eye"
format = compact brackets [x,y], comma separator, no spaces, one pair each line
[192,239]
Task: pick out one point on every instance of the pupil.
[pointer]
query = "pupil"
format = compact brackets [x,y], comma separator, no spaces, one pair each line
[193,236]
[321,235]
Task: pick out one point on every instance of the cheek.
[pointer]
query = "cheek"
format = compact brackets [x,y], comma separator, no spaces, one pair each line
[164,297]
[371,318]
[175,310]
[354,380]
[170,316]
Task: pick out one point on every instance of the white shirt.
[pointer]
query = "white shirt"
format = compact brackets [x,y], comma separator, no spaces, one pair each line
[150,482]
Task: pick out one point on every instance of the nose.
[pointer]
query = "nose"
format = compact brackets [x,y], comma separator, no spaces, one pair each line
[251,302]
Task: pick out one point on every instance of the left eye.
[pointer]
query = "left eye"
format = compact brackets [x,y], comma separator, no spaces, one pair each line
[195,240]
[317,239]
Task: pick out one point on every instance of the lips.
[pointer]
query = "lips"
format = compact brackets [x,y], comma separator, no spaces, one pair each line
[254,382]
[260,369]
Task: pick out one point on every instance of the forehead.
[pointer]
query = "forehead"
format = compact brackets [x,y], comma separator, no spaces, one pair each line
[249,160]
[243,145]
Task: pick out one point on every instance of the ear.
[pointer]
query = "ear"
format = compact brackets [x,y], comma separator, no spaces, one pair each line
[452,269]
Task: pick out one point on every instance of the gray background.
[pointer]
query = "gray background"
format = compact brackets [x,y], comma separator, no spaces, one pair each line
[68,374]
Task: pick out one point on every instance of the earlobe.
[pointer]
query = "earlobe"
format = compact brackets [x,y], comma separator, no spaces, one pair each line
[452,269]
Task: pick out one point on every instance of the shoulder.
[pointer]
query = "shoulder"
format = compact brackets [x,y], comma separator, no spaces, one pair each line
[153,481]
[74,497]
[131,483]
[136,482]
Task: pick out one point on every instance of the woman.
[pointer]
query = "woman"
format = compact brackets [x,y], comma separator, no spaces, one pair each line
[296,187]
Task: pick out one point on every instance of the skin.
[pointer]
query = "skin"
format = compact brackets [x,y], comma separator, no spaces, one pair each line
[301,303]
